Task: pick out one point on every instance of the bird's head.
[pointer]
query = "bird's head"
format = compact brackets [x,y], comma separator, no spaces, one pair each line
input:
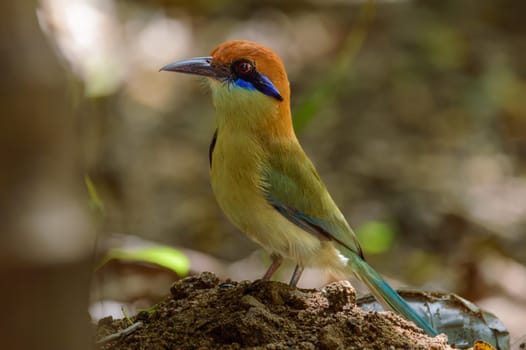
[242,74]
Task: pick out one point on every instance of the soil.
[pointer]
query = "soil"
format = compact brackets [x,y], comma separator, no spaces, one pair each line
[204,312]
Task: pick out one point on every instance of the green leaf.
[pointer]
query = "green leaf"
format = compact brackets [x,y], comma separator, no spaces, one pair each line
[164,256]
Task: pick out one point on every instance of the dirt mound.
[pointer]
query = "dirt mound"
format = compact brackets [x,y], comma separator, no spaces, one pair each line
[206,313]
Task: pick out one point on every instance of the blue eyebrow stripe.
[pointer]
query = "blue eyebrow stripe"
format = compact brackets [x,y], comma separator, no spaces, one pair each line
[261,83]
[245,84]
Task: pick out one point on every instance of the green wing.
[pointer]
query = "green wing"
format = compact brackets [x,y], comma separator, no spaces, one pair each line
[295,190]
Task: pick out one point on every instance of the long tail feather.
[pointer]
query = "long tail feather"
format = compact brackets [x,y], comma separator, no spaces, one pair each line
[386,295]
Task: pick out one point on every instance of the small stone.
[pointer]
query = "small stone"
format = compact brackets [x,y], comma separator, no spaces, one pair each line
[339,294]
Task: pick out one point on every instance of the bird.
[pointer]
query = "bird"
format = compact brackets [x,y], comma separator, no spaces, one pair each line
[263,180]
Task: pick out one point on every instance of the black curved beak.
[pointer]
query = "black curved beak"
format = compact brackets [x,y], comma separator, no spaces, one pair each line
[198,66]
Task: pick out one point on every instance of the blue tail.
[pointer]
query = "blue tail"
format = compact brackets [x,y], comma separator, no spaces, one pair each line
[386,295]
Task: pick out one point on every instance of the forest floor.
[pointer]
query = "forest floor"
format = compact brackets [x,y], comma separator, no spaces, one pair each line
[206,313]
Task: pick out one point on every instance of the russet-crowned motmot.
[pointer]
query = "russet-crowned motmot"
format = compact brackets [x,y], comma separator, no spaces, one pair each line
[263,180]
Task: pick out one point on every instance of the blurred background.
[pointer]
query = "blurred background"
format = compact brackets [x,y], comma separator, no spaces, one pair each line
[414,113]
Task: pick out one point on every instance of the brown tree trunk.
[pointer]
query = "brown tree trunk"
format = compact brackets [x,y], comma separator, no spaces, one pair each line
[46,241]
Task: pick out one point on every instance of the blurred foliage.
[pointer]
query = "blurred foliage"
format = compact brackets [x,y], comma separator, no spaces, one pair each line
[375,237]
[94,198]
[324,92]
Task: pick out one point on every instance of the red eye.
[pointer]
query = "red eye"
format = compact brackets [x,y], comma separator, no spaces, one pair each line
[244,68]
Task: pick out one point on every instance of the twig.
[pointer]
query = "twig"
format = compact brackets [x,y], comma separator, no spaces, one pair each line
[120,334]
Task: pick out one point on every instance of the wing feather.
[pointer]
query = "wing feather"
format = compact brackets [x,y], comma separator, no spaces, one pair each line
[295,190]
